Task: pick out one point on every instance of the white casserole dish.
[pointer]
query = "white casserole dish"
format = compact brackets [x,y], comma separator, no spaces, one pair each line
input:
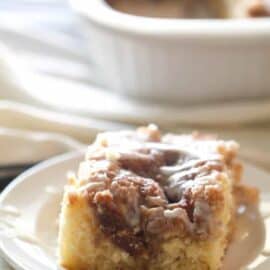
[177,60]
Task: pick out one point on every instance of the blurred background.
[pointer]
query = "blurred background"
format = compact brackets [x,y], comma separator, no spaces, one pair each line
[52,101]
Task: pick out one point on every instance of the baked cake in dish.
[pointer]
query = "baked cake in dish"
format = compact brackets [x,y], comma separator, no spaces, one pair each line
[194,9]
[150,202]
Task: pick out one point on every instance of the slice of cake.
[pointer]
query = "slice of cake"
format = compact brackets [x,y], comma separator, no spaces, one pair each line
[149,202]
[247,8]
[193,8]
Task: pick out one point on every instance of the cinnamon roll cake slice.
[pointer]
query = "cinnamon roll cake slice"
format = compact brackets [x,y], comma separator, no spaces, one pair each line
[145,201]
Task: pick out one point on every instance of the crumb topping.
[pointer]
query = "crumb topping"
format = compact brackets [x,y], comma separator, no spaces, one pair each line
[144,187]
[258,8]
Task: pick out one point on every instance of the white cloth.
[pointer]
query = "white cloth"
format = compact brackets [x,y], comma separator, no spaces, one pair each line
[32,134]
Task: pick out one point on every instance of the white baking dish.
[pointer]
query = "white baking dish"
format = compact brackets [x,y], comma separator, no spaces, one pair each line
[185,61]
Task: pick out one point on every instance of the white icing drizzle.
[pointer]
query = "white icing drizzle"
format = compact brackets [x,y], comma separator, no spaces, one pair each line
[187,165]
[7,223]
[241,209]
[93,186]
[11,229]
[10,210]
[26,237]
[8,217]
[169,170]
[31,239]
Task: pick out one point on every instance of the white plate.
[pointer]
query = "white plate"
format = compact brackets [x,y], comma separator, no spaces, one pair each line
[39,210]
